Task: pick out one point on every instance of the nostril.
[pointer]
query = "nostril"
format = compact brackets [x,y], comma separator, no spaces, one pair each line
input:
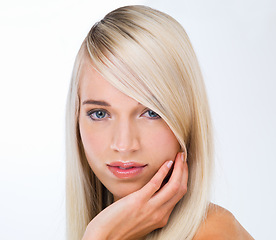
[124,148]
[118,147]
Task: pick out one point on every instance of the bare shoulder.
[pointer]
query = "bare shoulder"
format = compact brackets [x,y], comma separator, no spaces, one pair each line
[220,224]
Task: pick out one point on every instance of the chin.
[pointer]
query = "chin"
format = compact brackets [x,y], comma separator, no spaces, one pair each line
[124,189]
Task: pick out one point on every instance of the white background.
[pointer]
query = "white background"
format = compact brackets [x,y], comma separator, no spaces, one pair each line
[235,43]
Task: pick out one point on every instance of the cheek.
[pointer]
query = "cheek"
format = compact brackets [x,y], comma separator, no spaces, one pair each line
[94,142]
[167,142]
[163,145]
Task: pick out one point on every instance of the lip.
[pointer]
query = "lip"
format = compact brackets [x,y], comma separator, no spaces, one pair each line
[126,170]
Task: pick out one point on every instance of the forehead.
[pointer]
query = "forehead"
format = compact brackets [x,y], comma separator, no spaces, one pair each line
[94,86]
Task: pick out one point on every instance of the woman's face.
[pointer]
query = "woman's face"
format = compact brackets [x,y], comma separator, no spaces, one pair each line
[125,143]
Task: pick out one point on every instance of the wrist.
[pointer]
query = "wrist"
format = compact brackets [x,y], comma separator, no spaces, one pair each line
[93,233]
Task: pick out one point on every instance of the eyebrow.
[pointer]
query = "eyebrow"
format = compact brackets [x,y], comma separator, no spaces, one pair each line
[96,102]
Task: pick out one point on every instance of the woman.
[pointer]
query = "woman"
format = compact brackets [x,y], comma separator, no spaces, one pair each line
[139,135]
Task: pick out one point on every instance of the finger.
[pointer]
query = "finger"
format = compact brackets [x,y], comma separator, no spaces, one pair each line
[176,182]
[155,183]
[181,191]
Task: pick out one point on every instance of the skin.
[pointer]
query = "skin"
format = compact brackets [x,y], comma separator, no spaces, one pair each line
[221,224]
[124,130]
[128,132]
[115,127]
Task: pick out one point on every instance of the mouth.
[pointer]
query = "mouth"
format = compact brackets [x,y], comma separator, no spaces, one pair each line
[126,170]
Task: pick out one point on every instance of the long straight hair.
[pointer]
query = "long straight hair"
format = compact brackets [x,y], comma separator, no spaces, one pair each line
[147,55]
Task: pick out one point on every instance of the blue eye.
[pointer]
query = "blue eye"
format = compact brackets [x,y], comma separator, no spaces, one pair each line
[152,114]
[97,114]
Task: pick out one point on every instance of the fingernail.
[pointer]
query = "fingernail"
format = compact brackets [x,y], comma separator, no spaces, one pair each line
[169,164]
[182,157]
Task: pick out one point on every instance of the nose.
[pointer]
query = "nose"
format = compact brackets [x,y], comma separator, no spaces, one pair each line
[125,137]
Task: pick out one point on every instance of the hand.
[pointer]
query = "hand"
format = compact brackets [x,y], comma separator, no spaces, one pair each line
[143,211]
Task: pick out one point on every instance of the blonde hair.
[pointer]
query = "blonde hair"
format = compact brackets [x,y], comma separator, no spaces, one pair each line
[147,55]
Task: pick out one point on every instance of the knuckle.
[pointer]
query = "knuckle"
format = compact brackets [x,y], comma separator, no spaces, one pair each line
[157,219]
[160,219]
[183,189]
[175,187]
[155,184]
[163,222]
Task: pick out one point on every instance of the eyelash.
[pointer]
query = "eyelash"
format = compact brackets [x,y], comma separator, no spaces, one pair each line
[156,117]
[94,111]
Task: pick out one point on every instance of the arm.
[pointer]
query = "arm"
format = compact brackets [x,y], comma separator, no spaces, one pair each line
[143,211]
